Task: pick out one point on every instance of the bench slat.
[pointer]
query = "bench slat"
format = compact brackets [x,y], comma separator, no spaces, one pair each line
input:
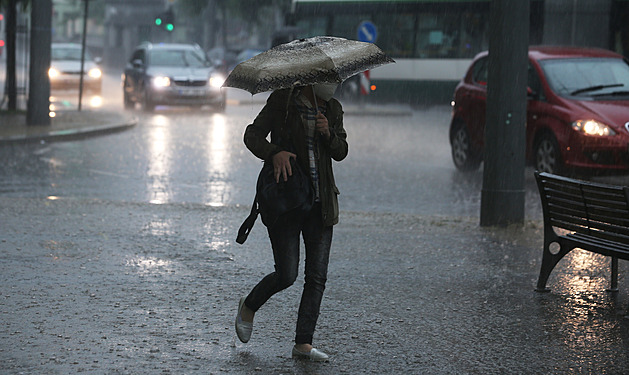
[569,225]
[568,194]
[559,206]
[598,216]
[603,190]
[601,243]
[568,221]
[610,236]
[608,203]
[615,216]
[614,199]
[612,229]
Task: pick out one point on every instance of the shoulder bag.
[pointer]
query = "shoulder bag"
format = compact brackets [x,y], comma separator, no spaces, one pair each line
[274,199]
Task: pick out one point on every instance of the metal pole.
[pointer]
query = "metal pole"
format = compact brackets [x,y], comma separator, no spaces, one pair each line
[574,23]
[11,33]
[38,108]
[502,198]
[83,54]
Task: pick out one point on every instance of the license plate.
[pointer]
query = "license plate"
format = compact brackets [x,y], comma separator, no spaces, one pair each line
[191,92]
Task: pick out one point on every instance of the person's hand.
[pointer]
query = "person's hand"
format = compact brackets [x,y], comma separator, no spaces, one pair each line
[281,165]
[322,125]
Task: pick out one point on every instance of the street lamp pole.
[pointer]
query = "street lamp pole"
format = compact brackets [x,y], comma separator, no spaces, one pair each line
[502,197]
[83,53]
[38,109]
[11,53]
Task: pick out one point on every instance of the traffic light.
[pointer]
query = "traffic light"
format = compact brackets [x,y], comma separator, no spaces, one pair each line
[166,20]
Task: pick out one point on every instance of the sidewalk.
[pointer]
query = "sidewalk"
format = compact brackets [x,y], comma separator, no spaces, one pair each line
[65,125]
[103,287]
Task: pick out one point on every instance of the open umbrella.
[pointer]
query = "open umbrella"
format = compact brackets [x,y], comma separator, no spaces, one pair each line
[304,62]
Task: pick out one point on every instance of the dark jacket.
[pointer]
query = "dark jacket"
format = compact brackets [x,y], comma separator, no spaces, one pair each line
[280,110]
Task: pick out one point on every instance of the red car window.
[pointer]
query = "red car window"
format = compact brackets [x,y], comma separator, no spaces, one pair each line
[479,74]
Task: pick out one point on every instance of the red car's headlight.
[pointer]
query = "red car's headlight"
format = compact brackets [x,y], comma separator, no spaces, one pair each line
[593,128]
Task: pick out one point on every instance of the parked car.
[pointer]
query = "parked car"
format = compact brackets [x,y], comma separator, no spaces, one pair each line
[577,111]
[65,68]
[171,74]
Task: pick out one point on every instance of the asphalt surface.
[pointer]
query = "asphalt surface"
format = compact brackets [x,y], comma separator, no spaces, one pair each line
[94,286]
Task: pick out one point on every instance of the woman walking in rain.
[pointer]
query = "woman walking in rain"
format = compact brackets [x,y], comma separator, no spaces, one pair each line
[310,123]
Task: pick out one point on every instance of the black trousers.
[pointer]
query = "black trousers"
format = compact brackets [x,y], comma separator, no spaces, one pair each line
[284,235]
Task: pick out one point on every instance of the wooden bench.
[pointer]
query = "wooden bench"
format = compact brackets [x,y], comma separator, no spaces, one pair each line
[585,215]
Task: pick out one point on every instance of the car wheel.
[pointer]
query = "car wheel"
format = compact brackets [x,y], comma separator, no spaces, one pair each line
[547,155]
[462,155]
[147,103]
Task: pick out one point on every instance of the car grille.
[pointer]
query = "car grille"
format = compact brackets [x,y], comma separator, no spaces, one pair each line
[190,83]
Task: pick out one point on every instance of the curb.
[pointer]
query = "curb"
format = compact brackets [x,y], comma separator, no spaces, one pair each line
[77,131]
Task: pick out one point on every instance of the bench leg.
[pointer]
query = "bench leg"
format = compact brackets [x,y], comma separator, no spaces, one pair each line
[544,272]
[614,280]
[549,261]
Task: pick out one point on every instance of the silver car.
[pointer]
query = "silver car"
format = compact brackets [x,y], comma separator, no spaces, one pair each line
[172,75]
[65,68]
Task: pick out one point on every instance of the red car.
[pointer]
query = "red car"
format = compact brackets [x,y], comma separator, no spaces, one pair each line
[577,112]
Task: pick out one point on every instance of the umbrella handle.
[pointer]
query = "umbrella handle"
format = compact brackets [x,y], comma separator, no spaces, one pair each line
[314,96]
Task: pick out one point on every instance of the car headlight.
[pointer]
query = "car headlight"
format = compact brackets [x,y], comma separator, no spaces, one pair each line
[592,127]
[217,81]
[95,73]
[161,81]
[53,73]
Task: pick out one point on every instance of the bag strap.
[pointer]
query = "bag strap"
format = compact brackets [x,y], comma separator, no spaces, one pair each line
[246,226]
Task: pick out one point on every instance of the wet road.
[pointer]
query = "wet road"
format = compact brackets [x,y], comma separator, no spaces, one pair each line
[397,163]
[118,257]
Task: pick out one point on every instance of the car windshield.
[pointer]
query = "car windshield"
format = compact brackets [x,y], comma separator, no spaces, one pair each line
[178,58]
[591,77]
[68,53]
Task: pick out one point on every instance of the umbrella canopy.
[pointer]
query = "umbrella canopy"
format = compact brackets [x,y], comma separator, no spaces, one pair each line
[305,62]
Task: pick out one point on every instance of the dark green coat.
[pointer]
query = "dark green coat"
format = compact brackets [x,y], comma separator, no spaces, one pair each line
[279,110]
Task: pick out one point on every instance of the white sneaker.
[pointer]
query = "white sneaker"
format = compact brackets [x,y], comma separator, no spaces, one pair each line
[314,355]
[243,329]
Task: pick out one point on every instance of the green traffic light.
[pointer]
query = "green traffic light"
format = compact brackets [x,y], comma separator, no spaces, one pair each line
[170,27]
[158,21]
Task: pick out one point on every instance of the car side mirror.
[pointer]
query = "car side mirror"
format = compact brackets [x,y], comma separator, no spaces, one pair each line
[137,63]
[531,94]
[98,60]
